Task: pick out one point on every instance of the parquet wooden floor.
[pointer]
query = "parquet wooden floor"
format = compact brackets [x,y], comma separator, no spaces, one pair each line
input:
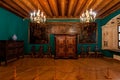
[61,69]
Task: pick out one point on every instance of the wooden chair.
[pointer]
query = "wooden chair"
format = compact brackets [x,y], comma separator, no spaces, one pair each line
[49,52]
[90,52]
[33,52]
[98,52]
[40,52]
[83,52]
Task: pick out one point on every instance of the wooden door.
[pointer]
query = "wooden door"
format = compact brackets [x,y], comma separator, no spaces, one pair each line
[65,46]
[60,46]
[71,46]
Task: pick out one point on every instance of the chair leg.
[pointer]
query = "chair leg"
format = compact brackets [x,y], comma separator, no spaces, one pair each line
[32,56]
[0,63]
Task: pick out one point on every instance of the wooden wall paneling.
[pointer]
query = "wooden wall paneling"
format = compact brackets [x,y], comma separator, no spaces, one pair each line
[87,32]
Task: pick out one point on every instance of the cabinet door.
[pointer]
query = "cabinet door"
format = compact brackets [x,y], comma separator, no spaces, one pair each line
[70,46]
[60,46]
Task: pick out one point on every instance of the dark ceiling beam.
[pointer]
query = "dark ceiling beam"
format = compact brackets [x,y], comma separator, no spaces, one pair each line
[60,8]
[92,3]
[53,7]
[14,6]
[71,7]
[44,4]
[62,5]
[37,5]
[101,5]
[96,4]
[19,7]
[85,6]
[17,2]
[9,3]
[111,10]
[11,9]
[79,6]
[33,3]
[108,6]
[27,5]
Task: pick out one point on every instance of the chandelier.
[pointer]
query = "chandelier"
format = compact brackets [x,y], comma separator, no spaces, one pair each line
[37,17]
[88,16]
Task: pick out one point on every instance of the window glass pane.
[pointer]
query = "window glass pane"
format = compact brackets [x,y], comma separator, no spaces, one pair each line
[119,36]
[119,44]
[119,28]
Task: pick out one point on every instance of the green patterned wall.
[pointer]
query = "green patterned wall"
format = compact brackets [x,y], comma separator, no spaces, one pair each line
[11,24]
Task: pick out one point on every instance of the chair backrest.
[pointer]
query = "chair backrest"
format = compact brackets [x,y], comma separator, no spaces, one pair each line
[33,49]
[96,48]
[88,49]
[49,49]
[82,49]
[41,49]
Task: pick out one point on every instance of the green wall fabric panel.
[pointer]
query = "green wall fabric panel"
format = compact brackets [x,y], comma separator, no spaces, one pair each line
[11,24]
[52,43]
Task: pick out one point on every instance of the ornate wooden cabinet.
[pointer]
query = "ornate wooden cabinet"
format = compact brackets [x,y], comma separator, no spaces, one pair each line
[65,46]
[10,50]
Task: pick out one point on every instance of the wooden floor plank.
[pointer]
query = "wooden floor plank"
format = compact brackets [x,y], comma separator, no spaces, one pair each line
[62,69]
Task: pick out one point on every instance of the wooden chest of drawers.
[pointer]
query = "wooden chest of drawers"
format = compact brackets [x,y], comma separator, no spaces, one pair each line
[11,50]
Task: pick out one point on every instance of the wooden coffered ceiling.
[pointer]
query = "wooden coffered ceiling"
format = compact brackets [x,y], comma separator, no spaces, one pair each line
[61,8]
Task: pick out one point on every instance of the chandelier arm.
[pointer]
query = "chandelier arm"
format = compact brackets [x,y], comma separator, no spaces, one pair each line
[88,16]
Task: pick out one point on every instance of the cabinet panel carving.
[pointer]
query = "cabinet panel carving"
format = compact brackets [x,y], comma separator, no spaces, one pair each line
[65,46]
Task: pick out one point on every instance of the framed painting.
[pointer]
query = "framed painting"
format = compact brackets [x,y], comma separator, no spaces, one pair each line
[38,34]
[88,33]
